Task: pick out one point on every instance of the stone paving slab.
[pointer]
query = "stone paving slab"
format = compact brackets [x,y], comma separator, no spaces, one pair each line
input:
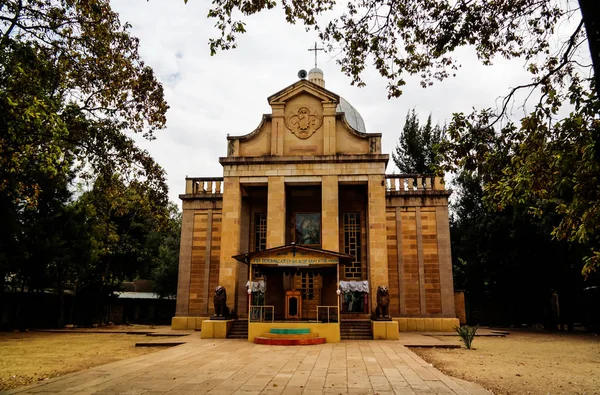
[226,367]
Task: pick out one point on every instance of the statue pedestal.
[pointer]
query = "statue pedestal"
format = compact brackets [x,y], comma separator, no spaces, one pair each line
[385,330]
[216,329]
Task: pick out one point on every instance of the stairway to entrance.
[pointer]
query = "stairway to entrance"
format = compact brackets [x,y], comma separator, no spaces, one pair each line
[239,330]
[356,330]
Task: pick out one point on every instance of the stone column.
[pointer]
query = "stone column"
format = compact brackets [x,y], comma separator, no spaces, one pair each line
[185,262]
[378,266]
[330,226]
[230,238]
[276,212]
[445,261]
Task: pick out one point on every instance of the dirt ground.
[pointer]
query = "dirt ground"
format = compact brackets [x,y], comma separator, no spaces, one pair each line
[27,357]
[524,362]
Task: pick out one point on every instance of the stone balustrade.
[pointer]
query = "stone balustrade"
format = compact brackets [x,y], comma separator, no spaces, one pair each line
[413,182]
[204,185]
[397,183]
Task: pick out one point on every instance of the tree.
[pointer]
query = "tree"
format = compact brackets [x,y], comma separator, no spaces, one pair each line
[507,262]
[166,264]
[416,149]
[71,86]
[72,91]
[546,167]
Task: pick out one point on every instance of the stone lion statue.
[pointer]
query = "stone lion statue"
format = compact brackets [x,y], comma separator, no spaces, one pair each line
[220,301]
[383,302]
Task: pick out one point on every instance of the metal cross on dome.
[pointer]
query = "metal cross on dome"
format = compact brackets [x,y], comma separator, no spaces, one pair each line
[316,49]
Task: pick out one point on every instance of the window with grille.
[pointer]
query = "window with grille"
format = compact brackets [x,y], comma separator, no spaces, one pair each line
[352,245]
[308,286]
[257,272]
[260,232]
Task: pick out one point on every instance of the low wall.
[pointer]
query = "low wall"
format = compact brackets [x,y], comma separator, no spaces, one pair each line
[190,323]
[426,324]
[385,330]
[216,329]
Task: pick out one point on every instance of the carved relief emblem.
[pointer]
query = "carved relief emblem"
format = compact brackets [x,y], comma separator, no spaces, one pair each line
[303,123]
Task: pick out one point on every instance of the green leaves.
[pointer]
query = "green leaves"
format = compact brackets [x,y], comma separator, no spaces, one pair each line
[72,89]
[414,37]
[545,166]
[416,149]
[71,85]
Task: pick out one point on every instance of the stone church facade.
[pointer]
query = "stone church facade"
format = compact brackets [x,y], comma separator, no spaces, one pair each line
[304,208]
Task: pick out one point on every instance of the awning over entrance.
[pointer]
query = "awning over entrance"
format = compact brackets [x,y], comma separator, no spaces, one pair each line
[293,255]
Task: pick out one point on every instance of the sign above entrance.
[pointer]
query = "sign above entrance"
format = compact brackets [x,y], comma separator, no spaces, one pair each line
[294,258]
[294,255]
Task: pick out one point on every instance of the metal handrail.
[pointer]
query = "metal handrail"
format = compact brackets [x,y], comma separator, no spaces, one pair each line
[336,310]
[261,313]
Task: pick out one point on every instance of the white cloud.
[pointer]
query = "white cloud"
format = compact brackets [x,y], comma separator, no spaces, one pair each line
[210,97]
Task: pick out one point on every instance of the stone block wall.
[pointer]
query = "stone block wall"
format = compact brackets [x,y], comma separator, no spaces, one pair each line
[199,256]
[418,252]
[431,264]
[409,262]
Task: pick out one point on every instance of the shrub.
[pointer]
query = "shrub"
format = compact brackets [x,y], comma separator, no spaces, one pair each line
[467,334]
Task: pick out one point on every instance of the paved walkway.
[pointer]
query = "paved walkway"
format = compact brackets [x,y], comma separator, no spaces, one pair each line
[223,367]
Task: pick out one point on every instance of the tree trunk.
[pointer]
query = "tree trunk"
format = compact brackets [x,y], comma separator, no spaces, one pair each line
[61,299]
[2,296]
[590,11]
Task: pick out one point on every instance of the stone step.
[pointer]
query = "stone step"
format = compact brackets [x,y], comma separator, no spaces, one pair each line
[239,330]
[289,342]
[355,329]
[355,316]
[290,336]
[290,331]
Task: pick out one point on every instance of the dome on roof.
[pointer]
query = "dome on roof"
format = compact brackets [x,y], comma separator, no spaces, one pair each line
[315,70]
[352,115]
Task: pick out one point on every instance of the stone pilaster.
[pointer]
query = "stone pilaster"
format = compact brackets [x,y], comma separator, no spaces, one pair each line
[445,261]
[329,220]
[277,129]
[400,267]
[329,133]
[230,236]
[377,233]
[185,262]
[276,212]
[207,292]
[420,258]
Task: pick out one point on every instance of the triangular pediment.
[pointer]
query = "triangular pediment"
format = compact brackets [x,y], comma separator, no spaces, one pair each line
[302,87]
[294,256]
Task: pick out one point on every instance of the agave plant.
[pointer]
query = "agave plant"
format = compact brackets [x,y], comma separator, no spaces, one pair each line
[467,334]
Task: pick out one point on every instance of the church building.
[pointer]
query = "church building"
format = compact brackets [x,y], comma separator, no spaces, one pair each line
[305,230]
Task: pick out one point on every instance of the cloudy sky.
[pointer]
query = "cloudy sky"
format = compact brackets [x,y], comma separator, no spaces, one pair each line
[210,97]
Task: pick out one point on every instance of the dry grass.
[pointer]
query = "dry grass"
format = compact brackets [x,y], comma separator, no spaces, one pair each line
[32,356]
[525,363]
